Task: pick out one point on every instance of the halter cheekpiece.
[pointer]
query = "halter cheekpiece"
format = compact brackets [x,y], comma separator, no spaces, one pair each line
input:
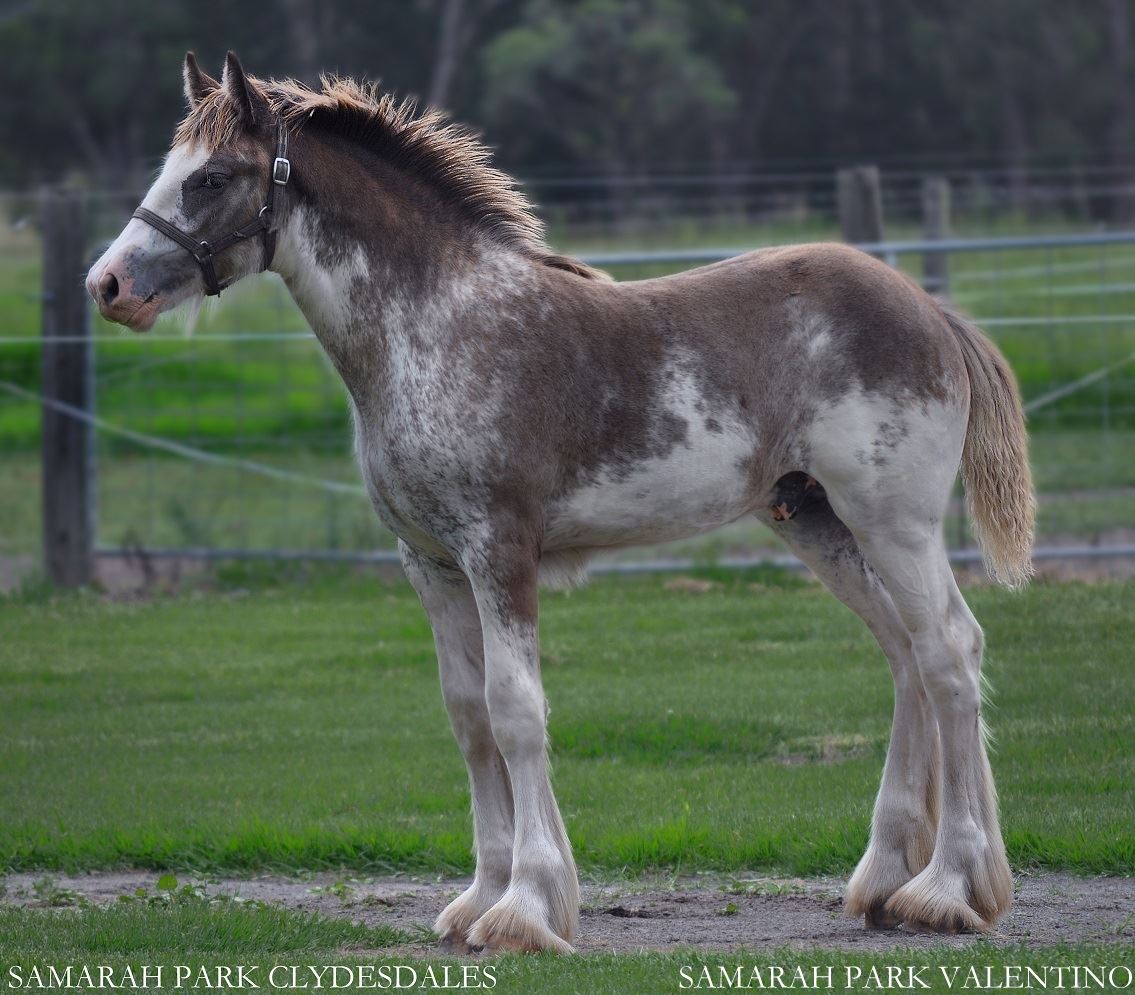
[205,251]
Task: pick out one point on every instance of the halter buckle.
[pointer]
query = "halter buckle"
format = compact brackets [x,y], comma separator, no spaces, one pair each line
[281,171]
[204,250]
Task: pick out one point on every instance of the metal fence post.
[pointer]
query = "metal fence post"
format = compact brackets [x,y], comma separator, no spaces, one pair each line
[68,379]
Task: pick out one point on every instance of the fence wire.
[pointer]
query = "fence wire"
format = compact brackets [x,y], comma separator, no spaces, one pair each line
[236,441]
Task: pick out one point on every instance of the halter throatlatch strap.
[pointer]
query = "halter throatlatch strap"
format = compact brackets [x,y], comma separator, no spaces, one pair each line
[205,251]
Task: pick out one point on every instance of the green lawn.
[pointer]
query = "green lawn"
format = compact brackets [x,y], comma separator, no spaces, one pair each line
[286,949]
[299,725]
[187,939]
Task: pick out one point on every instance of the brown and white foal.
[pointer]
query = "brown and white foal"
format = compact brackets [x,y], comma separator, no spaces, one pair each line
[516,411]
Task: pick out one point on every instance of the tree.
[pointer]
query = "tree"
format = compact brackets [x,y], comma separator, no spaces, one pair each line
[611,86]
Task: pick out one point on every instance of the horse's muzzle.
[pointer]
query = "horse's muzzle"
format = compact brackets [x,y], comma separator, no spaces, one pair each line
[117,300]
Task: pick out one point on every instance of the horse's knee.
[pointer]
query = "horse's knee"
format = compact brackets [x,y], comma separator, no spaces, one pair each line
[517,713]
[949,663]
[469,719]
[967,632]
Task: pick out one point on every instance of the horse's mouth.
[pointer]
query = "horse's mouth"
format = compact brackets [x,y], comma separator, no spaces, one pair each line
[138,315]
[142,318]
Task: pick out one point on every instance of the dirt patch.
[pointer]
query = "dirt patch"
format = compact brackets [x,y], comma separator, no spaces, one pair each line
[701,912]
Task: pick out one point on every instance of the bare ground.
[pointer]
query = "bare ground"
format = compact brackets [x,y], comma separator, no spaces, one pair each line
[649,914]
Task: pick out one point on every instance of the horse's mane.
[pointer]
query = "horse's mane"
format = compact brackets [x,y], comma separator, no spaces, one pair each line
[426,143]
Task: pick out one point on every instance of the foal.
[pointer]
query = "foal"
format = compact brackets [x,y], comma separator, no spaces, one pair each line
[516,411]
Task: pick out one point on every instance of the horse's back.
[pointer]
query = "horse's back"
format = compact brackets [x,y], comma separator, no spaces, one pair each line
[827,303]
[785,332]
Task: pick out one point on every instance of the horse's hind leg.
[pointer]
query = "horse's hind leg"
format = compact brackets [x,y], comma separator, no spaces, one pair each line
[906,809]
[894,506]
[452,611]
[967,884]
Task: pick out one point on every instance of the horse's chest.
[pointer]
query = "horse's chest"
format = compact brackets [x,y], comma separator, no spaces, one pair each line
[415,483]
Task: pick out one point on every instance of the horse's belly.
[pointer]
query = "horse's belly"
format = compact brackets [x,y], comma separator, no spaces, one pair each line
[692,489]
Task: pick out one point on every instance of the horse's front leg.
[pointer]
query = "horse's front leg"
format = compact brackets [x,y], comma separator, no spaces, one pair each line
[540,908]
[452,611]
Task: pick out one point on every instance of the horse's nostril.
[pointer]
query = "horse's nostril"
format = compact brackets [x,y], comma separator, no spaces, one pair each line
[108,287]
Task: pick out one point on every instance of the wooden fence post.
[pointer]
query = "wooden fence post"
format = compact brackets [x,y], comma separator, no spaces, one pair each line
[859,200]
[936,225]
[67,379]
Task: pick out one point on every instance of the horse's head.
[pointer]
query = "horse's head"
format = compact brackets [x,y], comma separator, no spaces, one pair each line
[208,220]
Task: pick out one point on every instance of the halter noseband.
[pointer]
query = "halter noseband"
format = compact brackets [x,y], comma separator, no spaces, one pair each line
[204,251]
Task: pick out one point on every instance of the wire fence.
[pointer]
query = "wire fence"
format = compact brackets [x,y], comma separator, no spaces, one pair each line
[663,204]
[235,441]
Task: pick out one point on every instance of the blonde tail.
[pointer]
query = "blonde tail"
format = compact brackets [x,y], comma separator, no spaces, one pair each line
[995,460]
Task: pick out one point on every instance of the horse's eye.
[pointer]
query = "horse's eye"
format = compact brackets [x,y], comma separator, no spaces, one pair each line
[215,180]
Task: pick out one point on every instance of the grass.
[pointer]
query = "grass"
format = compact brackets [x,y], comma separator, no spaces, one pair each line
[184,944]
[164,502]
[299,726]
[187,922]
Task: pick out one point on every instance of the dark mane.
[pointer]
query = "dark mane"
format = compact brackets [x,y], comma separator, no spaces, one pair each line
[425,143]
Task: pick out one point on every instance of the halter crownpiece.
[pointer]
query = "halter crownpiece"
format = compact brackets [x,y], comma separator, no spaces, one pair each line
[205,251]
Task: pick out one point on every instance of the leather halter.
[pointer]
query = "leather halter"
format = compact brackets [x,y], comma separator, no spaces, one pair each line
[205,251]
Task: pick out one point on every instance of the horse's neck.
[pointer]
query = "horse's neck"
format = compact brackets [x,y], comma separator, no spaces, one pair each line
[373,311]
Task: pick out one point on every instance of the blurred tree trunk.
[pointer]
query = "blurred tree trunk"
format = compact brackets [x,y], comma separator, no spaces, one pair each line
[303,35]
[873,31]
[839,40]
[769,52]
[458,21]
[1123,108]
[1015,135]
[449,46]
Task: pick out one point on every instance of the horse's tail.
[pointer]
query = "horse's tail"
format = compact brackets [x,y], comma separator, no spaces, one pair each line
[995,459]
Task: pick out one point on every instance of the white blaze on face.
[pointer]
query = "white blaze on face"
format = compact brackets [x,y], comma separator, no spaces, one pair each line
[164,199]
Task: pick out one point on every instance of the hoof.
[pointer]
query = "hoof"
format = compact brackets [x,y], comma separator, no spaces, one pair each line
[877,918]
[879,875]
[455,944]
[932,904]
[510,925]
[519,938]
[458,917]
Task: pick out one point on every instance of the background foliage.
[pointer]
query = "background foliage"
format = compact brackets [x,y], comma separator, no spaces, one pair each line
[609,86]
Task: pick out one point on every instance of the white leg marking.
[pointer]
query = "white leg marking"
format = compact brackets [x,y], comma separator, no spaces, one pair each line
[540,909]
[967,884]
[888,470]
[452,611]
[906,809]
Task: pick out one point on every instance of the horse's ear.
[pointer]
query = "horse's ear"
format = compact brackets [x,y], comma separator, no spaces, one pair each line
[248,101]
[198,84]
